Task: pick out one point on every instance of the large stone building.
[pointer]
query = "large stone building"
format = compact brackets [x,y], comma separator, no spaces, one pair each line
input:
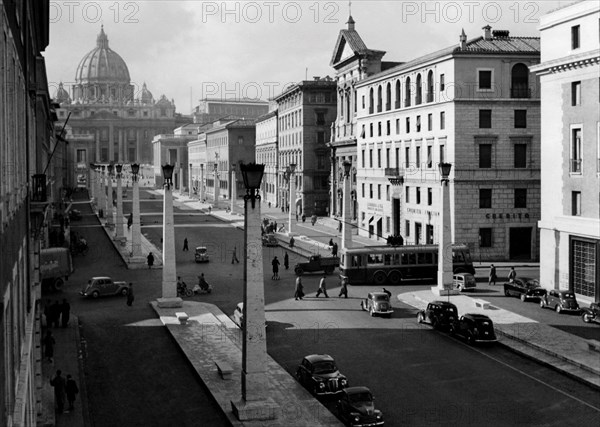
[475,105]
[570,159]
[267,154]
[122,118]
[306,111]
[214,109]
[172,149]
[32,163]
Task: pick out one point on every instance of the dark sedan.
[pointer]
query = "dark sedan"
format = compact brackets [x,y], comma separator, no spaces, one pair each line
[474,328]
[320,375]
[356,408]
[440,314]
[560,300]
[524,288]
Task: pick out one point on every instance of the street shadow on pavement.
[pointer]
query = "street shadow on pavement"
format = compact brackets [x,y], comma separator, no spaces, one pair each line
[581,331]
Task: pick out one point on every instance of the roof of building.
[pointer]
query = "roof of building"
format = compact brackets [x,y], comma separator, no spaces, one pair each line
[238,123]
[235,101]
[102,64]
[354,41]
[266,116]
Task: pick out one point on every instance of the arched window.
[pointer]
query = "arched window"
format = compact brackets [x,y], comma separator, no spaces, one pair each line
[348,106]
[430,86]
[397,105]
[371,101]
[407,92]
[418,98]
[388,97]
[520,82]
[379,99]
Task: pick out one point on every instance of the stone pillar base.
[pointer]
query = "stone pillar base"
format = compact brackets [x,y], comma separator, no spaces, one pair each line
[255,410]
[444,292]
[169,302]
[138,263]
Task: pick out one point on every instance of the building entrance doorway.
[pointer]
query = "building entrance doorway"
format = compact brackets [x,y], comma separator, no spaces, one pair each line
[396,217]
[520,243]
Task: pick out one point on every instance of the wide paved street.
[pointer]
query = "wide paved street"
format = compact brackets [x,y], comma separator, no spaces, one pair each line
[136,376]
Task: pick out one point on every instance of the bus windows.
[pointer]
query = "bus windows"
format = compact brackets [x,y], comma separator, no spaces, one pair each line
[387,259]
[408,259]
[374,259]
[356,260]
[428,258]
[396,259]
[421,258]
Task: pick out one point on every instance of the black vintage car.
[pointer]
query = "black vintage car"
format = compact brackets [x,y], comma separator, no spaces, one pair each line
[356,408]
[440,314]
[320,375]
[591,314]
[524,288]
[474,328]
[560,300]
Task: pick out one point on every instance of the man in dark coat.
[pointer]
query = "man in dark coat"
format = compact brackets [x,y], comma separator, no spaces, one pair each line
[286,261]
[130,296]
[275,263]
[58,383]
[71,389]
[150,259]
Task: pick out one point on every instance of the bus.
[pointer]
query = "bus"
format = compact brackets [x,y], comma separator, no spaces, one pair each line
[380,265]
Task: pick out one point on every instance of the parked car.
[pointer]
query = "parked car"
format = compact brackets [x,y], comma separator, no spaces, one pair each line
[356,408]
[201,254]
[464,282]
[440,314]
[474,328]
[269,240]
[591,314]
[377,303]
[320,375]
[103,286]
[318,263]
[560,300]
[524,288]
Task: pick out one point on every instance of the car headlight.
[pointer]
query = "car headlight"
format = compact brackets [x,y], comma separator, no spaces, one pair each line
[379,415]
[344,382]
[321,385]
[356,418]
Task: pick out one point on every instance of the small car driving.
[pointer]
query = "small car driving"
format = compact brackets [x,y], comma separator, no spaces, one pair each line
[377,303]
[319,374]
[201,254]
[269,240]
[103,286]
[560,300]
[474,328]
[464,282]
[524,288]
[356,408]
[440,314]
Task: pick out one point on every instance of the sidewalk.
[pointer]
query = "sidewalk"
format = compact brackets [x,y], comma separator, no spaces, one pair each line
[210,335]
[560,350]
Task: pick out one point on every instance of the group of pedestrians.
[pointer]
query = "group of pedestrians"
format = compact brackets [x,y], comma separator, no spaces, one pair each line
[57,314]
[64,387]
[512,274]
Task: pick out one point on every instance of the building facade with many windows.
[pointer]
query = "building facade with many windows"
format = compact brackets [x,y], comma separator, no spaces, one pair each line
[266,153]
[475,105]
[570,159]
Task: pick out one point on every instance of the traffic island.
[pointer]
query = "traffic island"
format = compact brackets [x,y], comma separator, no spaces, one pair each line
[260,410]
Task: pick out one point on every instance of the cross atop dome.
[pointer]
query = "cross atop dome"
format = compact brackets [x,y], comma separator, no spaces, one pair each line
[102,40]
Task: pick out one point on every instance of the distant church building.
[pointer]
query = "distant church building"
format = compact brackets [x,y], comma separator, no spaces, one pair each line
[111,120]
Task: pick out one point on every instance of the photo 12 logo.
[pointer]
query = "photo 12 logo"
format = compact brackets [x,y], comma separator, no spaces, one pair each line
[94,11]
[269,12]
[469,11]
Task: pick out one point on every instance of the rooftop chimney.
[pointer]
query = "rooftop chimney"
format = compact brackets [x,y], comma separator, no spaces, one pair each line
[463,39]
[350,23]
[500,33]
[487,32]
[316,78]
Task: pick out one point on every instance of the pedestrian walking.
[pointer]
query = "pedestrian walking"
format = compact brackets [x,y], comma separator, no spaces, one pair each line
[130,296]
[58,382]
[49,343]
[286,261]
[292,242]
[344,288]
[130,220]
[339,226]
[275,263]
[511,275]
[322,288]
[299,290]
[65,313]
[71,390]
[493,277]
[330,243]
[150,259]
[185,244]
[334,249]
[234,257]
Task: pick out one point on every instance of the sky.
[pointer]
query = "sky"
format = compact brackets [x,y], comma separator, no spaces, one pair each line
[189,50]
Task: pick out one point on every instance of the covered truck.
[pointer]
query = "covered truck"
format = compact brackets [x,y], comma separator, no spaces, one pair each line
[55,267]
[317,263]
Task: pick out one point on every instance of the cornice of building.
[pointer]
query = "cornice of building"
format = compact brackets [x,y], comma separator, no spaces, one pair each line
[566,63]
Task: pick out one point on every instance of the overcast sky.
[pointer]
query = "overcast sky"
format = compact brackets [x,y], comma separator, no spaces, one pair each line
[192,49]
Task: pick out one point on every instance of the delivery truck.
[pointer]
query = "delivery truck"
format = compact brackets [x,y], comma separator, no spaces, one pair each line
[55,267]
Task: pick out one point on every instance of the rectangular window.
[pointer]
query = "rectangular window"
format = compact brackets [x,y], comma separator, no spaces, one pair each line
[576,150]
[575,93]
[362,132]
[320,137]
[442,120]
[363,189]
[430,121]
[81,156]
[418,157]
[418,195]
[397,126]
[379,157]
[320,119]
[418,228]
[387,224]
[429,234]
[407,228]
[442,82]
[520,119]
[388,127]
[240,140]
[520,197]
[575,43]
[378,128]
[485,79]
[418,123]
[378,191]
[485,119]
[485,237]
[407,157]
[370,191]
[442,153]
[485,155]
[520,155]
[429,156]
[397,163]
[485,198]
[407,194]
[576,203]
[387,157]
[370,158]
[429,196]
[371,130]
[363,158]
[387,192]
[408,125]
[363,102]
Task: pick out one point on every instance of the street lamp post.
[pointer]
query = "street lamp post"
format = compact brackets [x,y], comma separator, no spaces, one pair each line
[102,205]
[169,273]
[217,186]
[233,189]
[201,183]
[346,207]
[136,235]
[119,235]
[292,182]
[190,189]
[444,277]
[109,196]
[92,182]
[254,404]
